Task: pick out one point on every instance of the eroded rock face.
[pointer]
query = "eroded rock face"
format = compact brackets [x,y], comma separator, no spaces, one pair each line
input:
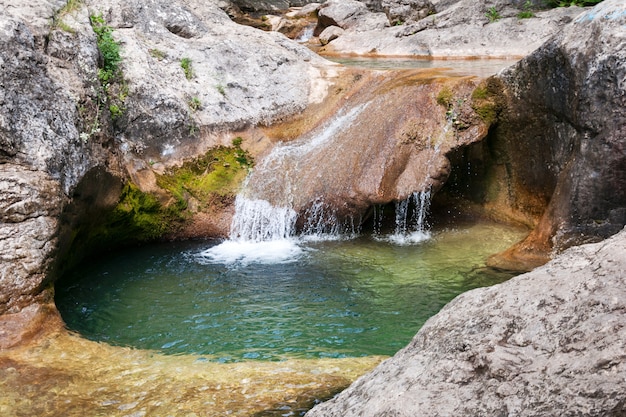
[550,342]
[567,114]
[387,139]
[42,156]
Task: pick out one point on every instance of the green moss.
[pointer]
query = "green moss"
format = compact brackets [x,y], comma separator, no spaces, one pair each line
[445,97]
[139,215]
[488,101]
[217,174]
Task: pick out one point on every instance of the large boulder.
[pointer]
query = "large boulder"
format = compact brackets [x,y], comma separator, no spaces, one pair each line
[550,342]
[567,116]
[65,149]
[351,14]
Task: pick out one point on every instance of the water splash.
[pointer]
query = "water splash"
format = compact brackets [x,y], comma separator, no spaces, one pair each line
[259,233]
[411,226]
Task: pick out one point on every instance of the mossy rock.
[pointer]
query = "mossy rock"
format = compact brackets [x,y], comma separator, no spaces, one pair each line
[488,100]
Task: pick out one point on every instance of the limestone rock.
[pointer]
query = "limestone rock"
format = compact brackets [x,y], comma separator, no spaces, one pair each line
[404,11]
[567,112]
[458,29]
[351,14]
[388,138]
[550,342]
[330,34]
[241,76]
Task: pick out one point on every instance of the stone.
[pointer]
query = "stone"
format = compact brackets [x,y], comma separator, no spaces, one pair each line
[406,11]
[457,29]
[567,112]
[388,138]
[330,34]
[349,14]
[550,342]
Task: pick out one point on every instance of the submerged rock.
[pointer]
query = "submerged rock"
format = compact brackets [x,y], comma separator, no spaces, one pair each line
[550,342]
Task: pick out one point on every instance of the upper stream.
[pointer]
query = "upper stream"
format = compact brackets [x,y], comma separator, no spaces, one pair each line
[341,298]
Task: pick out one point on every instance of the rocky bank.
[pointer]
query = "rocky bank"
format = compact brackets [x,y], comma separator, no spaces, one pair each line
[550,342]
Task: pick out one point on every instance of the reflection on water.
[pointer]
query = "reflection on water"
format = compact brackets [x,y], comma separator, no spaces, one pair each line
[335,299]
[450,67]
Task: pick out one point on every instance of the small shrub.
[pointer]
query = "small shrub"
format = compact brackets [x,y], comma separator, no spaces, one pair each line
[115,111]
[237,141]
[492,14]
[109,48]
[185,64]
[526,12]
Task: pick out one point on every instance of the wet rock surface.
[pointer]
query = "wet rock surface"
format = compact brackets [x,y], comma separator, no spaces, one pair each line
[550,342]
[387,139]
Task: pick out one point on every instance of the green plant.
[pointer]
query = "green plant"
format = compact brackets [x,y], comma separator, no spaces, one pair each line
[109,49]
[492,14]
[527,11]
[195,104]
[221,89]
[237,141]
[115,111]
[185,64]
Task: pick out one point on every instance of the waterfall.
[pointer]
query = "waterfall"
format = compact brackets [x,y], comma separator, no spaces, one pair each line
[259,221]
[280,196]
[410,225]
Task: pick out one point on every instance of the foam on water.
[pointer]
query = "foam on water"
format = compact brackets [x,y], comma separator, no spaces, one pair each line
[404,239]
[245,252]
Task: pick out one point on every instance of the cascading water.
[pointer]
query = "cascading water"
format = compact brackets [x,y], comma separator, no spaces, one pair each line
[270,208]
[264,232]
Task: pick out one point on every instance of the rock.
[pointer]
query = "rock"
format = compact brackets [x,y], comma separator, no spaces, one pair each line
[273,81]
[567,112]
[329,34]
[62,153]
[388,138]
[349,14]
[458,29]
[30,205]
[405,11]
[550,342]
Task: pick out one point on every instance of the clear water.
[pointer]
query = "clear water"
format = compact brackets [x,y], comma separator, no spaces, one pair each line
[331,299]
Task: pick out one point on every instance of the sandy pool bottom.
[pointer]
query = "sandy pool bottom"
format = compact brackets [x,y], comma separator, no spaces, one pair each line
[66,375]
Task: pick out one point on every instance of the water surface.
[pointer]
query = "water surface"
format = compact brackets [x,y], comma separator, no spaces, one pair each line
[330,299]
